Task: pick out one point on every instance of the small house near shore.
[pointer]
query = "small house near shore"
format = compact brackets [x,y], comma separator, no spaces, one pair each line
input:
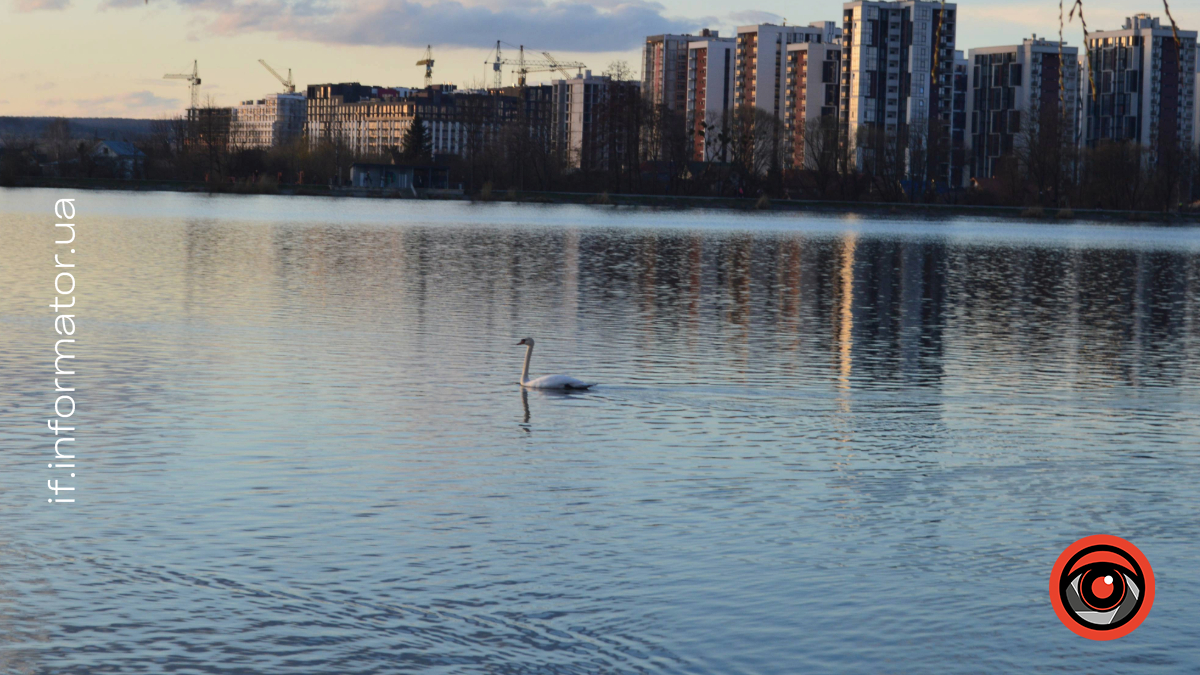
[122,158]
[407,177]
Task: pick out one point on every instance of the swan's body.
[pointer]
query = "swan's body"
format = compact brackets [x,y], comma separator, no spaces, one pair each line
[547,381]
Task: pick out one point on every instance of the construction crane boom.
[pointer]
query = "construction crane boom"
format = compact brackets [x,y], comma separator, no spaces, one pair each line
[562,66]
[193,79]
[288,84]
[525,66]
[427,61]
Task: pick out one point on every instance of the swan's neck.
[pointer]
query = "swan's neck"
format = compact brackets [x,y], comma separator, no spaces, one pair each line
[525,369]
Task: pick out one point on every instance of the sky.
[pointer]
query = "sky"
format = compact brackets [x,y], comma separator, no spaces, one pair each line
[107,58]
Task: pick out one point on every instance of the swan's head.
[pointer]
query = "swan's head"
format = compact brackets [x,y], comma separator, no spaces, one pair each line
[526,341]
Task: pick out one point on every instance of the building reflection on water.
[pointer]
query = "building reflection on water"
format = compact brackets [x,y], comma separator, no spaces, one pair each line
[871,310]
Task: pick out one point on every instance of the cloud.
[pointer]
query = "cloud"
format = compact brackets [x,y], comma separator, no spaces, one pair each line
[132,104]
[38,5]
[97,102]
[146,99]
[136,99]
[568,25]
[753,17]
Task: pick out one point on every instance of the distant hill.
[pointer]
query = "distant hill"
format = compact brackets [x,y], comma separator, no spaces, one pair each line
[112,128]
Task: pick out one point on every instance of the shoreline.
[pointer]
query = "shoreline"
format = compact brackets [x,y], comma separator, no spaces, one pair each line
[672,202]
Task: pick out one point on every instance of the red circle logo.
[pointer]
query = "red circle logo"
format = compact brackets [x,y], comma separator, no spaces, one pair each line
[1102,587]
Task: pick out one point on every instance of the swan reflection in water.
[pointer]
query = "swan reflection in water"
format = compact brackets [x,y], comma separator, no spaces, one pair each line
[544,393]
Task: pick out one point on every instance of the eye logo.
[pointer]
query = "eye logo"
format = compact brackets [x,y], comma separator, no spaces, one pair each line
[1102,587]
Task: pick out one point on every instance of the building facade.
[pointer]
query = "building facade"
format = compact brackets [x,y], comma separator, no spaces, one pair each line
[664,69]
[1013,87]
[709,94]
[374,120]
[897,76]
[587,125]
[760,72]
[208,128]
[1142,86]
[813,73]
[959,164]
[274,120]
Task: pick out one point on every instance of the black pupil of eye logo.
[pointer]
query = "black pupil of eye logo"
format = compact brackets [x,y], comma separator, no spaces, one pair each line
[1105,594]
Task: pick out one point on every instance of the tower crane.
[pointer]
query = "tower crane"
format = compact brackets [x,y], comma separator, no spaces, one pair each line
[288,84]
[562,66]
[427,61]
[496,63]
[193,79]
[525,66]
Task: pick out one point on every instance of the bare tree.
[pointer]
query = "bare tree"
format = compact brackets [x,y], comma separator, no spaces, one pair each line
[1045,155]
[1114,176]
[884,160]
[820,153]
[57,140]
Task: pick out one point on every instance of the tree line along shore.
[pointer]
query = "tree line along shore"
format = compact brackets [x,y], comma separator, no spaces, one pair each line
[639,158]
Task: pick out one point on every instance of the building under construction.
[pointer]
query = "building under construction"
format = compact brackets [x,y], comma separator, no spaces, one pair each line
[276,119]
[372,120]
[208,128]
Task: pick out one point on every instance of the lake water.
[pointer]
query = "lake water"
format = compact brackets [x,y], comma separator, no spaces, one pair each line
[819,443]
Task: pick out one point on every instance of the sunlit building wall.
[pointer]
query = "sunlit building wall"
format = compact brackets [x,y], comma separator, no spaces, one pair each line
[1144,86]
[274,120]
[710,64]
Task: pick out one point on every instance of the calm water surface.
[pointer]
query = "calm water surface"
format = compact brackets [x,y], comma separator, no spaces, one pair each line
[820,444]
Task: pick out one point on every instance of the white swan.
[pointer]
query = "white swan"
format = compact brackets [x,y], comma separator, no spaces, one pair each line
[547,381]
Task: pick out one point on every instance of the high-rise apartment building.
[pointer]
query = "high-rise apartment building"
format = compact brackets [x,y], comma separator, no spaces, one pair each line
[811,96]
[664,69]
[1013,87]
[274,120]
[760,73]
[897,74]
[709,94]
[1142,86]
[585,109]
